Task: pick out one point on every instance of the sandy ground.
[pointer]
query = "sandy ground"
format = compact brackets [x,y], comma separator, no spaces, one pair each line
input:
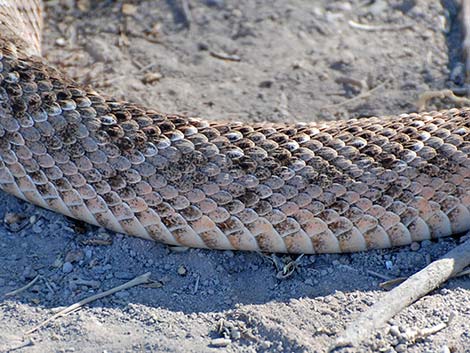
[249,60]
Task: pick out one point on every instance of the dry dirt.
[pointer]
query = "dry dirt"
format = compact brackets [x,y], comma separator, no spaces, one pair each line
[249,60]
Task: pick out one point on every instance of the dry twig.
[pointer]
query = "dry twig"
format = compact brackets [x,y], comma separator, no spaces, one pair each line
[145,278]
[415,287]
[445,93]
[416,334]
[225,56]
[22,289]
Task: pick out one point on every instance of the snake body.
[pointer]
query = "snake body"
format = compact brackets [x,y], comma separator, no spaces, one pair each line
[329,187]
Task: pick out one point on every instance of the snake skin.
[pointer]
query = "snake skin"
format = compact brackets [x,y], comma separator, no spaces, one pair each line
[21,24]
[327,187]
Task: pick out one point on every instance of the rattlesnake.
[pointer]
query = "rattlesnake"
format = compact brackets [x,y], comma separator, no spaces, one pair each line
[322,187]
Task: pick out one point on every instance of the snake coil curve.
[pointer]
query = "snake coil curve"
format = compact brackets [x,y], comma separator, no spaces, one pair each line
[328,187]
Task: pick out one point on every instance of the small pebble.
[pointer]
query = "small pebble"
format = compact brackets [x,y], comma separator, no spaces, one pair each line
[67,267]
[426,243]
[445,349]
[37,228]
[395,331]
[129,9]
[61,42]
[74,256]
[401,348]
[151,77]
[220,342]
[340,295]
[182,271]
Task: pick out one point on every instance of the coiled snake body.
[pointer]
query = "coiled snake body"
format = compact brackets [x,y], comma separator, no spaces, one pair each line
[304,188]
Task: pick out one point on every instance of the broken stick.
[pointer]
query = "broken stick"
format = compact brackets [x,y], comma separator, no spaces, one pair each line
[415,287]
[145,278]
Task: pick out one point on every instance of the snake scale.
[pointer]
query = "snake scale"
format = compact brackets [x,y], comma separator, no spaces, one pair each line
[328,187]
